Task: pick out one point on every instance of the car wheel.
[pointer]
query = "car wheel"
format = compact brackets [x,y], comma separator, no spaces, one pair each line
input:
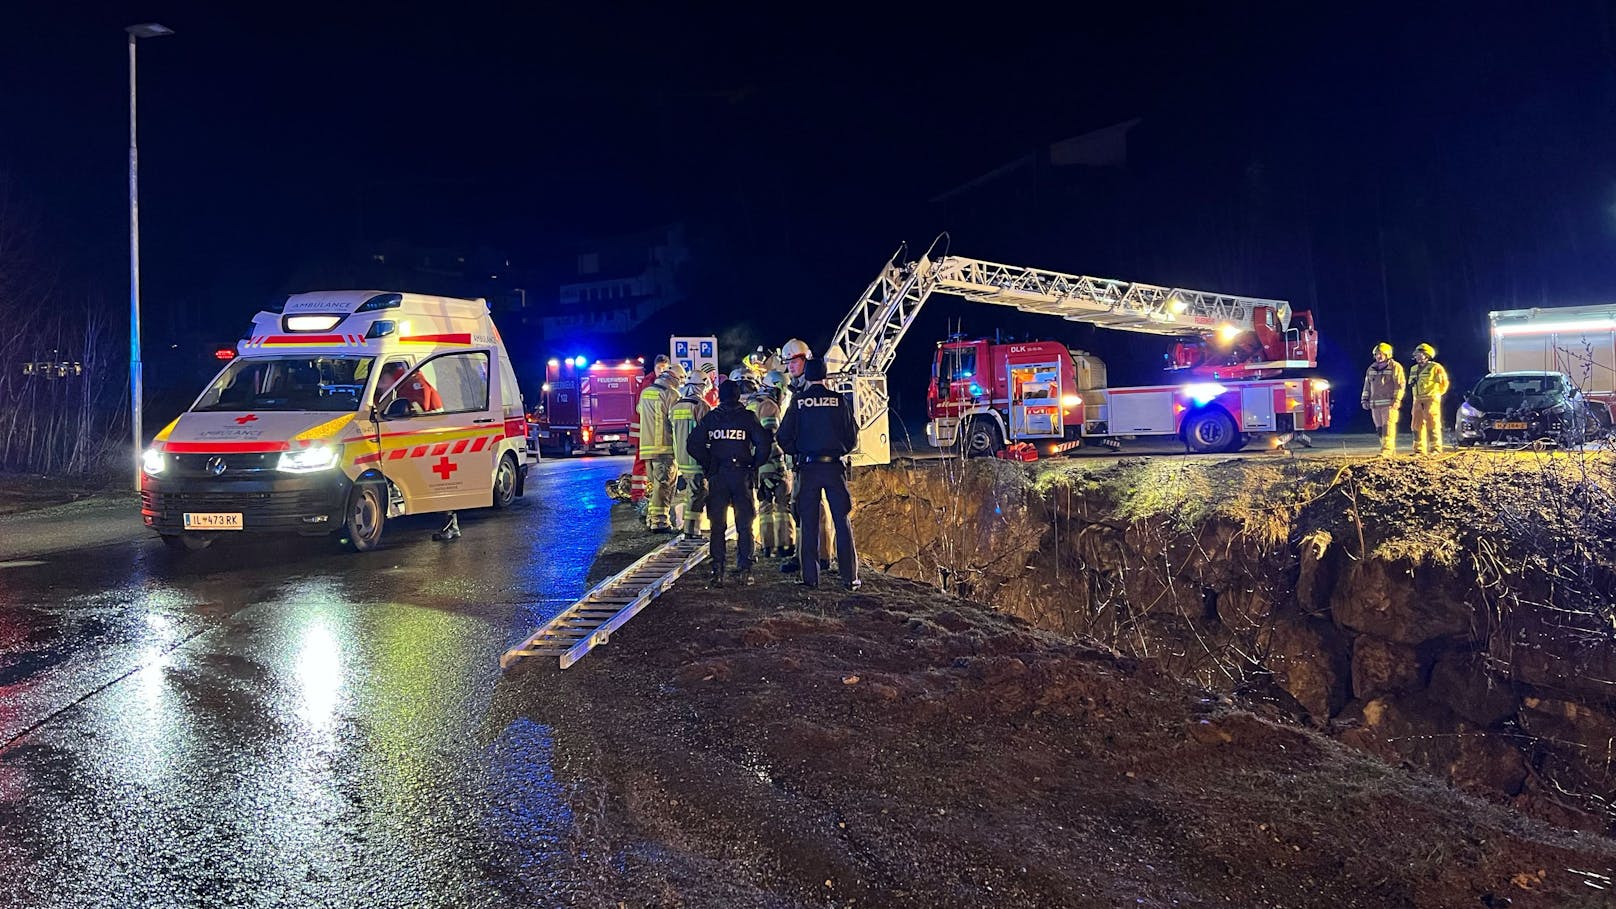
[982,438]
[1211,430]
[187,542]
[364,517]
[505,482]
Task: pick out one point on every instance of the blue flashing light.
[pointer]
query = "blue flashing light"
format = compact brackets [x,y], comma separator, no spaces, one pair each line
[1203,393]
[579,361]
[976,390]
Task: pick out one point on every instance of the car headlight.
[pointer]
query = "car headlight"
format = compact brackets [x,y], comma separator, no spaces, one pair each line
[151,461]
[1468,412]
[310,460]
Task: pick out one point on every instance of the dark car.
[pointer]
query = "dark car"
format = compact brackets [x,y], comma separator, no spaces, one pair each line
[1524,408]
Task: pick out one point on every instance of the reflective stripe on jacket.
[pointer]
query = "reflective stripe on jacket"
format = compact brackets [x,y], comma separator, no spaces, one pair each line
[1383,385]
[656,432]
[686,413]
[1428,380]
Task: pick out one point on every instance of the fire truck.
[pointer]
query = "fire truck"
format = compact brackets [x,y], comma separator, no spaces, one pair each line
[587,408]
[1231,351]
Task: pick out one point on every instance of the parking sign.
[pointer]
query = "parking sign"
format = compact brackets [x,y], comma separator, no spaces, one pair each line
[694,352]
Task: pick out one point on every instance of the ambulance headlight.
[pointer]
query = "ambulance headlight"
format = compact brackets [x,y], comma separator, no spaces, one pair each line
[311,460]
[151,461]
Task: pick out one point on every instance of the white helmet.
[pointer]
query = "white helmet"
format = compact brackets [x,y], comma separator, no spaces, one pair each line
[739,373]
[796,348]
[774,379]
[692,389]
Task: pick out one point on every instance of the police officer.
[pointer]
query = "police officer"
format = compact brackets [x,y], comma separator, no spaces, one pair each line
[730,445]
[795,354]
[691,485]
[818,432]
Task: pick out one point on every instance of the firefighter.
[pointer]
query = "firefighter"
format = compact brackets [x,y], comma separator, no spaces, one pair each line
[1383,395]
[1429,382]
[796,354]
[730,445]
[777,534]
[656,446]
[819,432]
[691,485]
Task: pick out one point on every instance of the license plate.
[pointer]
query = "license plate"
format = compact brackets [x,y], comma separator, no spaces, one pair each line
[611,438]
[1500,424]
[212,521]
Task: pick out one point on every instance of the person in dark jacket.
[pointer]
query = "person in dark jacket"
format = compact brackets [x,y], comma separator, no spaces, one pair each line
[818,432]
[730,445]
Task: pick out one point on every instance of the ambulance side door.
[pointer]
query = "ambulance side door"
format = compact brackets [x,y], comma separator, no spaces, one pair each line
[440,439]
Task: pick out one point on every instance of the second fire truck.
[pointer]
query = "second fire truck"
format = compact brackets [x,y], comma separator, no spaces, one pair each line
[1232,353]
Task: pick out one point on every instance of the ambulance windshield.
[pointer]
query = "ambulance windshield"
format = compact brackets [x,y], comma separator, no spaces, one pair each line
[289,383]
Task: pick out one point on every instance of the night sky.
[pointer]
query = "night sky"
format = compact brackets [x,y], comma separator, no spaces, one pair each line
[1400,171]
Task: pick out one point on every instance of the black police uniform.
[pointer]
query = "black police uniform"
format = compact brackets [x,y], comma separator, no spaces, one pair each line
[730,445]
[818,431]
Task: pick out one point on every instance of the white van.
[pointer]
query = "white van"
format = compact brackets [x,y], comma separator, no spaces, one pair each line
[340,410]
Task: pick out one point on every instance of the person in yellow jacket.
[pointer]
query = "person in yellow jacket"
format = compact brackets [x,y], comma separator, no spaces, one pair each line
[691,485]
[1383,395]
[656,445]
[1429,382]
[775,522]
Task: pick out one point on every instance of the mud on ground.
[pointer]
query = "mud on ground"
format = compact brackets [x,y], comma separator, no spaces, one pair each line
[772,746]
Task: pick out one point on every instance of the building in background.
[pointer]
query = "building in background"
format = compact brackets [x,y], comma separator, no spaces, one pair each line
[618,282]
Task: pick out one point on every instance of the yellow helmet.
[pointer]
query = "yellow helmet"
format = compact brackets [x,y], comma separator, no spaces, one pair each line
[1381,348]
[1426,349]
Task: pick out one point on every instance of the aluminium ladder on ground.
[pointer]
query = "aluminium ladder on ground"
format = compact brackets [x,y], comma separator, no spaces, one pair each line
[590,622]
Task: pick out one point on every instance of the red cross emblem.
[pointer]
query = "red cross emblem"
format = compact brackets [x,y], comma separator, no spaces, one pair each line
[243,421]
[444,467]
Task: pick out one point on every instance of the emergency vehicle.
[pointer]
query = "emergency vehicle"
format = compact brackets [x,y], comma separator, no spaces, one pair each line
[984,395]
[588,409]
[1578,341]
[1231,349]
[342,409]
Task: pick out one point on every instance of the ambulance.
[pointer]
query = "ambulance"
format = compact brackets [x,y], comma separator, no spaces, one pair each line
[340,410]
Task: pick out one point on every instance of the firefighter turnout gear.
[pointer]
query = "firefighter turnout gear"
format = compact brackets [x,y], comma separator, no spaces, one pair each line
[818,432]
[775,525]
[730,445]
[691,485]
[1429,382]
[1383,395]
[656,448]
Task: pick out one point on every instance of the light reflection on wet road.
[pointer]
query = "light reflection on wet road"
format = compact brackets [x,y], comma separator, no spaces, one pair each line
[282,724]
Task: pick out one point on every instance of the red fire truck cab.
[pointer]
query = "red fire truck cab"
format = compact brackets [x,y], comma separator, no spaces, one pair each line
[984,395]
[587,409]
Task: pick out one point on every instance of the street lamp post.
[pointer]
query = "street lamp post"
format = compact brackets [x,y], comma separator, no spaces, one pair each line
[136,32]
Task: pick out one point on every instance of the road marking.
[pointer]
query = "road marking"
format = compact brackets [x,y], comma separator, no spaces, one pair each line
[21,563]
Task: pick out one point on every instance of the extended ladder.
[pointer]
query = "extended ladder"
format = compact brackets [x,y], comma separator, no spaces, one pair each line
[590,622]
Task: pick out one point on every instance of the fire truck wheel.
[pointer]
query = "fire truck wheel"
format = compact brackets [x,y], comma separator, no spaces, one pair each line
[365,516]
[1211,430]
[505,482]
[186,542]
[982,439]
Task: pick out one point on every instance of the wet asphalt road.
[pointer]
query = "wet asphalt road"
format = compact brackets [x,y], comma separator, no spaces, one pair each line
[278,723]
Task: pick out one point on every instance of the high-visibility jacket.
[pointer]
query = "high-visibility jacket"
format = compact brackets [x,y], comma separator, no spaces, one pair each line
[768,414]
[656,432]
[1383,384]
[1428,380]
[686,413]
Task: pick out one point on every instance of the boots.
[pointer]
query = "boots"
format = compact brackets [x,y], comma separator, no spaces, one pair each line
[717,579]
[450,530]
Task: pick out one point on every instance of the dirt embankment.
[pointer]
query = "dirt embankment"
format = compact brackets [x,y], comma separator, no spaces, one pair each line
[1458,615]
[776,747]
